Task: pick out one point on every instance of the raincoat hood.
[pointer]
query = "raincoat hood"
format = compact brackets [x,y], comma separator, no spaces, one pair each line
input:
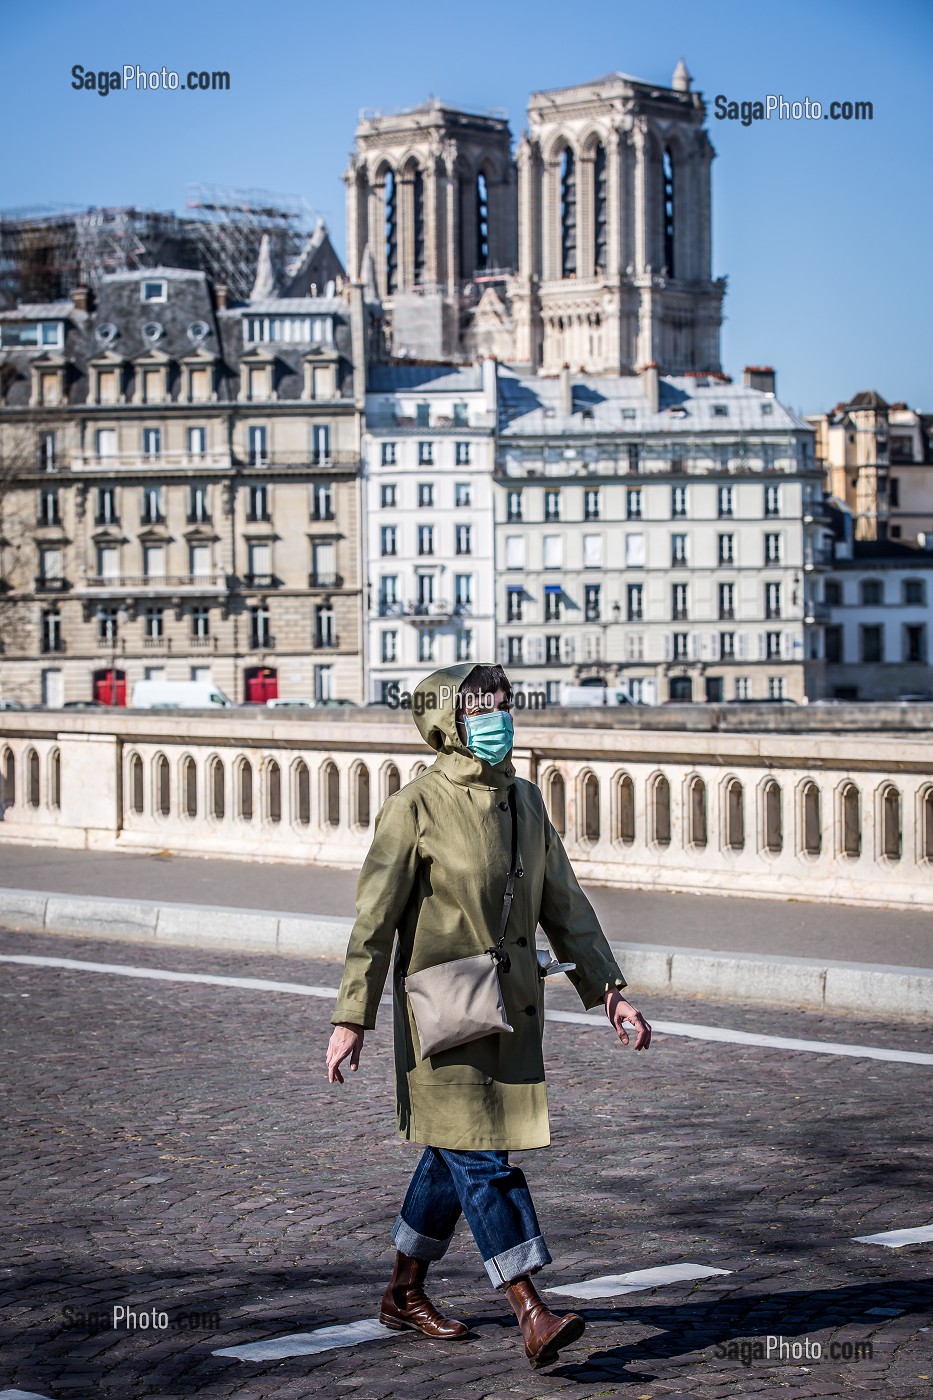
[434,709]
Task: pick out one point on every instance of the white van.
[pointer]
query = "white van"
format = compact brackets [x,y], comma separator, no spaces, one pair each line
[178,695]
[592,695]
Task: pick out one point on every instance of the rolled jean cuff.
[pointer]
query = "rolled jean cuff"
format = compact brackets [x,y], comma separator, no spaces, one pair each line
[416,1246]
[526,1258]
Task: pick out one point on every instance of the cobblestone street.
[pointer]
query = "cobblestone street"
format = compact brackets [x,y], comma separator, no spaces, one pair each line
[175,1147]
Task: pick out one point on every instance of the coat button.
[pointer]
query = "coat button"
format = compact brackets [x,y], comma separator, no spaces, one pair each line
[523,942]
[504,806]
[531,1010]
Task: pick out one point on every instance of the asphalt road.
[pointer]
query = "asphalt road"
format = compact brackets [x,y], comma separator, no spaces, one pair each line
[173,1147]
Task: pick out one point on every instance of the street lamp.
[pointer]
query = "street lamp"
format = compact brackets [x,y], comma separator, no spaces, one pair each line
[117,621]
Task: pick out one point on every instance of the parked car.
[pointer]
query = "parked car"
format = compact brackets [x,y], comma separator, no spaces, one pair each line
[289,704]
[85,705]
[178,695]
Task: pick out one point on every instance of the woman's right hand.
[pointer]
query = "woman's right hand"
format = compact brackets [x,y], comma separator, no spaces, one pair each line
[347,1039]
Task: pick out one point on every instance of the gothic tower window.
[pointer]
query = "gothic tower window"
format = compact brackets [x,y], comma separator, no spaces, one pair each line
[568,215]
[667,175]
[482,222]
[391,232]
[600,205]
[418,202]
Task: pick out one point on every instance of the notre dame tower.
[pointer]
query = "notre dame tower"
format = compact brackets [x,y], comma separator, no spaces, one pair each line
[598,255]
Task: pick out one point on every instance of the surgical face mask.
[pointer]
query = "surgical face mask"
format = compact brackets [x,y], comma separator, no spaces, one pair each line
[489,735]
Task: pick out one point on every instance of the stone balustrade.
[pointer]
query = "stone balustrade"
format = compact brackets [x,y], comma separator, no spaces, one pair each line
[672,803]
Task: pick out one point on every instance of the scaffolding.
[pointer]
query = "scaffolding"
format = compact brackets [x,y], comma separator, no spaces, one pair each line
[46,252]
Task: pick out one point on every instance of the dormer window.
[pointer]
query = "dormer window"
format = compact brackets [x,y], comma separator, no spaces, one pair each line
[720,410]
[153,289]
[51,334]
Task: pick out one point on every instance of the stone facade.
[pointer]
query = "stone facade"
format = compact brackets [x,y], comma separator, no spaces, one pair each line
[180,491]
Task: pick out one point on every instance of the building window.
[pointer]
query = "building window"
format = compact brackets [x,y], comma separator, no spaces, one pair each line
[389,645]
[773,550]
[681,646]
[634,450]
[200,623]
[514,511]
[260,634]
[463,592]
[324,633]
[514,604]
[726,501]
[591,503]
[106,513]
[727,549]
[464,539]
[427,644]
[667,204]
[48,455]
[107,626]
[552,650]
[568,214]
[915,643]
[727,646]
[600,208]
[257,503]
[425,493]
[773,646]
[425,454]
[772,600]
[388,595]
[832,641]
[48,507]
[257,441]
[425,539]
[552,505]
[388,495]
[51,631]
[914,592]
[591,606]
[633,503]
[388,454]
[552,602]
[772,501]
[872,593]
[743,688]
[872,645]
[514,647]
[514,551]
[463,494]
[832,593]
[552,552]
[153,623]
[679,605]
[388,536]
[322,501]
[462,454]
[678,550]
[777,688]
[635,595]
[425,585]
[152,442]
[726,601]
[678,502]
[152,511]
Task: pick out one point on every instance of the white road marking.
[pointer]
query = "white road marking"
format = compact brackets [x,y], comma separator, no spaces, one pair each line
[609,1285]
[350,1334]
[583,1018]
[896,1239]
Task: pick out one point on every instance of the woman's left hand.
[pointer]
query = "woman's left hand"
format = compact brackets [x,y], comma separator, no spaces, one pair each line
[619,1011]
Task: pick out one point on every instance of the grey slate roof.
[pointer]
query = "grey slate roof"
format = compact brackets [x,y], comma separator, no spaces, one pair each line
[425,379]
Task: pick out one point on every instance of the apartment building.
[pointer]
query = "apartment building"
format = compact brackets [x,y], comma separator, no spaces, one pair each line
[663,535]
[428,454]
[180,492]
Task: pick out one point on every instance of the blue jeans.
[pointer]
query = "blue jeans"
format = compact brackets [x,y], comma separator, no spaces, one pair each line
[494,1197]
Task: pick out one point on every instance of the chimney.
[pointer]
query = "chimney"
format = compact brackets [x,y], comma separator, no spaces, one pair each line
[490,372]
[566,391]
[81,299]
[221,295]
[652,386]
[358,343]
[760,377]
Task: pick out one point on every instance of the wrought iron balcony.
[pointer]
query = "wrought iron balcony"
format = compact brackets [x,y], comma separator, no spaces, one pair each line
[51,585]
[152,583]
[325,580]
[259,580]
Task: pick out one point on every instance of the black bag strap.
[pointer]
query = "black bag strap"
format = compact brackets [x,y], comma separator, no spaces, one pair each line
[497,954]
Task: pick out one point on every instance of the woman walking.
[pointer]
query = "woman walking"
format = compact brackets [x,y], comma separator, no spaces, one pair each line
[436,873]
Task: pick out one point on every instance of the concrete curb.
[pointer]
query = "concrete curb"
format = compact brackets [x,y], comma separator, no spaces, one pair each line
[905,993]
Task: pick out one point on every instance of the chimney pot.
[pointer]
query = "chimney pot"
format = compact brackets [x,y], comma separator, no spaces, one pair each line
[81,298]
[221,296]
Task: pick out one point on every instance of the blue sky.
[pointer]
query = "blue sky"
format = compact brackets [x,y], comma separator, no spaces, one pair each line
[823,228]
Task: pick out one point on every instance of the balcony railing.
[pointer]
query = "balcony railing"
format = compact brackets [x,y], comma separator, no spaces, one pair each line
[124,583]
[327,641]
[434,611]
[51,585]
[262,641]
[207,643]
[324,580]
[336,458]
[153,642]
[135,461]
[53,646]
[259,580]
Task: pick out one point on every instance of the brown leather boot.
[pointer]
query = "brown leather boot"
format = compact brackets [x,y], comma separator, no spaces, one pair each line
[405,1303]
[543,1331]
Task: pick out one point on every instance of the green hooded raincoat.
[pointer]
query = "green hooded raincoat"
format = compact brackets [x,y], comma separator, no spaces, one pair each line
[436,875]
